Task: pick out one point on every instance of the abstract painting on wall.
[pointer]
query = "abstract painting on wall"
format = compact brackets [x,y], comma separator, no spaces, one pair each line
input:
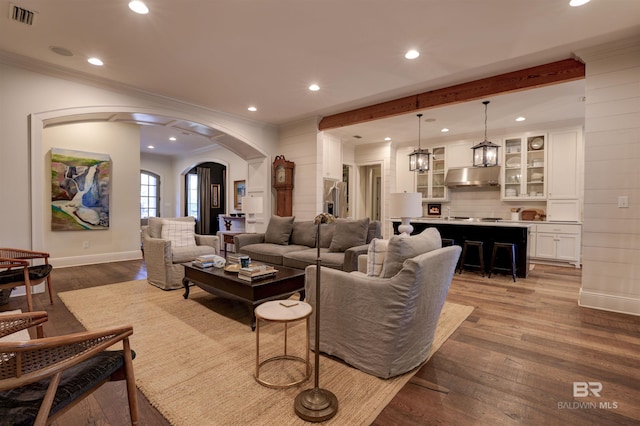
[79,190]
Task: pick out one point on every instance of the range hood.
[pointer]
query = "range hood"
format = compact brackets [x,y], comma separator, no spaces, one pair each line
[473,177]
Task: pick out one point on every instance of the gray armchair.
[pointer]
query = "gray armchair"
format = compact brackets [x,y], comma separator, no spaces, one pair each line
[164,257]
[383,326]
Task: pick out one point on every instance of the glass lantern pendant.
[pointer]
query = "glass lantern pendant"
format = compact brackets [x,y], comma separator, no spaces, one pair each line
[485,154]
[419,159]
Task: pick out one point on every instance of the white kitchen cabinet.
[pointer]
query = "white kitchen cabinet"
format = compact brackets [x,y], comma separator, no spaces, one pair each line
[523,171]
[565,160]
[560,242]
[565,175]
[431,183]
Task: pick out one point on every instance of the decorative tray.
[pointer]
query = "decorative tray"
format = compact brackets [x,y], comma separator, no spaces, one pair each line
[234,267]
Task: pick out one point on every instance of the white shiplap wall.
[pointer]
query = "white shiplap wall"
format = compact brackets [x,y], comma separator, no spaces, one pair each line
[611,235]
[299,142]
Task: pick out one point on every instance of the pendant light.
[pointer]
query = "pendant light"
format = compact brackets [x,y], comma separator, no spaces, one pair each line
[485,154]
[419,159]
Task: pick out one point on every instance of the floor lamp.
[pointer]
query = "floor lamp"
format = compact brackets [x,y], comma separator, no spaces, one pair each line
[317,405]
[405,205]
[251,206]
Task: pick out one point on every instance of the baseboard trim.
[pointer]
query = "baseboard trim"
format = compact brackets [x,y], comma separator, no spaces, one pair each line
[62,262]
[608,302]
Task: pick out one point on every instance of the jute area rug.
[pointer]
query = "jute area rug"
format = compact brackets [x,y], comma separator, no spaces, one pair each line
[196,358]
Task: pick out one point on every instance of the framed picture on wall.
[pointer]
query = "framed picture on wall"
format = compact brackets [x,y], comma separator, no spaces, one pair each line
[215,196]
[239,191]
[434,209]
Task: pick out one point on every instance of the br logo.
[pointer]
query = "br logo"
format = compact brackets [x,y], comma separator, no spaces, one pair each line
[583,389]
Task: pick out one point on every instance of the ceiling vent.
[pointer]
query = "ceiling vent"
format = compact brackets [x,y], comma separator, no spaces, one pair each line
[22,15]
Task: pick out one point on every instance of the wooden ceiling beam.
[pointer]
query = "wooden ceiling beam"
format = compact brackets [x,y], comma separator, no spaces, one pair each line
[529,78]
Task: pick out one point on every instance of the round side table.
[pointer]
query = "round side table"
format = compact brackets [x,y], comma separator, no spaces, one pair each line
[284,311]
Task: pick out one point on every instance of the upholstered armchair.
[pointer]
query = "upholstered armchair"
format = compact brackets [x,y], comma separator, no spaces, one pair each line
[17,269]
[167,243]
[40,379]
[384,325]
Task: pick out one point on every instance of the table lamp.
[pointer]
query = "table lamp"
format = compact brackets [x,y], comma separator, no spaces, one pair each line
[405,205]
[251,206]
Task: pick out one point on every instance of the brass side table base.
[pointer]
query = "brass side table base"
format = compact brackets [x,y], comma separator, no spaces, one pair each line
[316,405]
[283,385]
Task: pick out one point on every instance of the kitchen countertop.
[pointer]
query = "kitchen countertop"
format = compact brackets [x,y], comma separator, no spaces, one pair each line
[501,223]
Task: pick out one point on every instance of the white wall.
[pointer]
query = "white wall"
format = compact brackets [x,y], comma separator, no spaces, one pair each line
[121,143]
[32,96]
[300,142]
[611,235]
[162,165]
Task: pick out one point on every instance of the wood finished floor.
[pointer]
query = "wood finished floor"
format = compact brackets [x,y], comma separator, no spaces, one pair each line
[513,361]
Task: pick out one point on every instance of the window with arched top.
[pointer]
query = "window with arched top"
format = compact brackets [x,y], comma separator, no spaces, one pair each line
[149,195]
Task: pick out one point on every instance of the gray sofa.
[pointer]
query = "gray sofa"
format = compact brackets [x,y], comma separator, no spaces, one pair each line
[293,243]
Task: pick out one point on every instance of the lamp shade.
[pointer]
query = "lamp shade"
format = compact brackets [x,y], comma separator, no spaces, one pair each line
[405,204]
[252,205]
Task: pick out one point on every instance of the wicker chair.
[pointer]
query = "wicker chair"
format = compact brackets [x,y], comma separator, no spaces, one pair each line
[41,379]
[17,269]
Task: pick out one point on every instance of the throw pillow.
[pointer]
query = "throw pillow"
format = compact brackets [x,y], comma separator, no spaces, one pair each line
[349,233]
[279,230]
[304,233]
[403,247]
[181,234]
[375,256]
[326,234]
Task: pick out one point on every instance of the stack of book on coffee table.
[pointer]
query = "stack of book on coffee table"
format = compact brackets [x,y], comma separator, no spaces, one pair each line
[234,257]
[257,272]
[205,261]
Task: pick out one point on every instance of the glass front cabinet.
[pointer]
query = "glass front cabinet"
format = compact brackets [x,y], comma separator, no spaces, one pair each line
[523,174]
[431,183]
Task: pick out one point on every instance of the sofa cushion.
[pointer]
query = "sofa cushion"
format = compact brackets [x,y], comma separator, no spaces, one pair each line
[375,256]
[189,253]
[300,259]
[304,233]
[279,230]
[349,233]
[326,234]
[180,233]
[375,230]
[269,253]
[402,247]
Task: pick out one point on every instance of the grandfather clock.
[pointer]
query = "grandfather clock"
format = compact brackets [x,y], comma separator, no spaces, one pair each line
[282,181]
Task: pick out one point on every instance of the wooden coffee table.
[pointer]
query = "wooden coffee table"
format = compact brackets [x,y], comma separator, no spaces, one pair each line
[217,281]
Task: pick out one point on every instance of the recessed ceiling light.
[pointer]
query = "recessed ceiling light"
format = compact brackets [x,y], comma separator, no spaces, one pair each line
[138,7]
[151,147]
[252,109]
[95,61]
[314,87]
[412,54]
[61,51]
[576,3]
[444,130]
[387,138]
[520,119]
[173,138]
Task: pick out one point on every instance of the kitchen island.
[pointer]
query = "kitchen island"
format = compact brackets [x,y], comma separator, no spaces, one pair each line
[489,232]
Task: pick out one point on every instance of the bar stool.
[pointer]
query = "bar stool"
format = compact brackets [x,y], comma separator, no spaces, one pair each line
[283,311]
[478,245]
[446,242]
[511,250]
